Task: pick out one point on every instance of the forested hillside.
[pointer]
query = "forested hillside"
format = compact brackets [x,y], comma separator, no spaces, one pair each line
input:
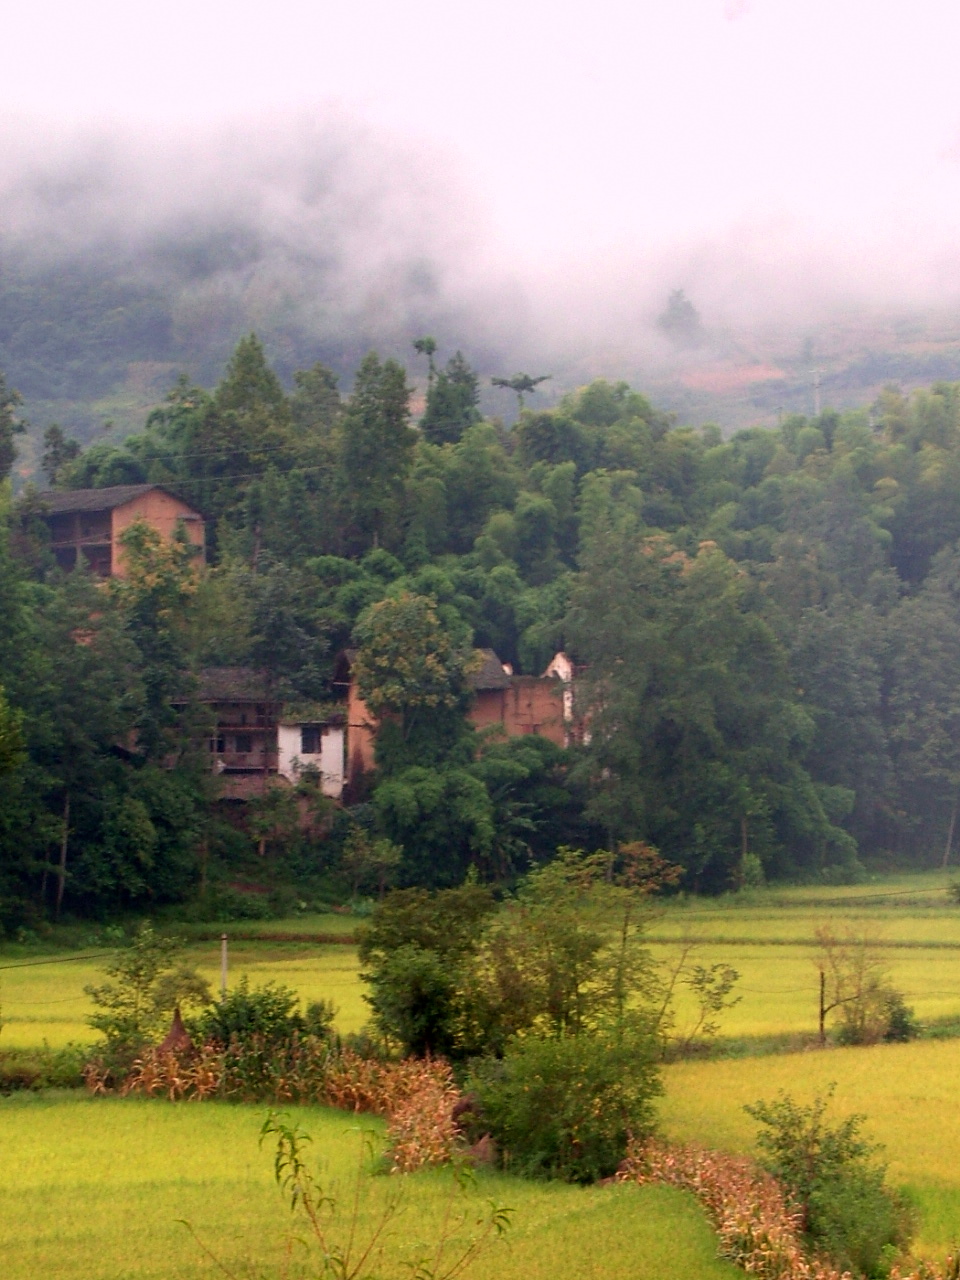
[768,630]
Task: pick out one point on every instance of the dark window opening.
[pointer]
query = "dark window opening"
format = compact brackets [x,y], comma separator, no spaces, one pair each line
[310,740]
[99,560]
[243,743]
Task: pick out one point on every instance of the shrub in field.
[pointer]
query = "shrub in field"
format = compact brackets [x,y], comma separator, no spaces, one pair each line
[856,988]
[413,951]
[43,1068]
[832,1174]
[566,1107]
[148,980]
[901,1023]
[271,1012]
[414,997]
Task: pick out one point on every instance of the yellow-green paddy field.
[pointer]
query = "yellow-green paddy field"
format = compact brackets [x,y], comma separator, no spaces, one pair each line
[100,1188]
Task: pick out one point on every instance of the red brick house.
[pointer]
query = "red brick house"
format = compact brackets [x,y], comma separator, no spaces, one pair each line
[86,524]
[504,705]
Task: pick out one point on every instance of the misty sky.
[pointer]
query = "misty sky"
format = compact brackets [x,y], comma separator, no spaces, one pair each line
[773,157]
[577,123]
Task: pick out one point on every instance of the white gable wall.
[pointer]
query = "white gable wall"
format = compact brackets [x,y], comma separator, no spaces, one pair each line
[329,760]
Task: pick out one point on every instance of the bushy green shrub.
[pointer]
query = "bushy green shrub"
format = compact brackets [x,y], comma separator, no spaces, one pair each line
[566,1107]
[413,952]
[836,1181]
[415,999]
[44,1068]
[901,1023]
[270,1012]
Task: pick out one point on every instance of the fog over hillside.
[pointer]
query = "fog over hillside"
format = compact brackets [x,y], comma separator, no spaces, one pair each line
[130,253]
[327,240]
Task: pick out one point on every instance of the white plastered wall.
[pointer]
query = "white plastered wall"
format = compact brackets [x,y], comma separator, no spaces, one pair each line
[329,761]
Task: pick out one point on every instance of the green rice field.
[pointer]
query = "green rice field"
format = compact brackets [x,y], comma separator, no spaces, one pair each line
[910,1094]
[768,936]
[93,1189]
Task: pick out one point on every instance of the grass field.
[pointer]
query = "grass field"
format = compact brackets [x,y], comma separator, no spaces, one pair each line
[767,935]
[46,1001]
[105,1181]
[93,1189]
[910,1094]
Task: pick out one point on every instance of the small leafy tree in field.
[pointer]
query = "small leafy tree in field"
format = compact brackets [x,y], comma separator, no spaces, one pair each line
[837,1183]
[856,987]
[711,987]
[149,979]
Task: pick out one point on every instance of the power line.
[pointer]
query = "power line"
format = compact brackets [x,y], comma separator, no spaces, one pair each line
[27,964]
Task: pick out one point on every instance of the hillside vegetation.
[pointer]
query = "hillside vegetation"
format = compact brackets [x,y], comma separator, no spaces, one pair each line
[766,630]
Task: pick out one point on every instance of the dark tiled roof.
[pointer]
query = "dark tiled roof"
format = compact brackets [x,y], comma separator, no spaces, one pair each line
[491,674]
[61,501]
[233,684]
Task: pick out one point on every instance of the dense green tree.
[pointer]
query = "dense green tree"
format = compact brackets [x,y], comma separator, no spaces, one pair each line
[412,951]
[153,598]
[924,708]
[408,665]
[58,450]
[377,443]
[12,753]
[315,404]
[451,402]
[697,738]
[10,426]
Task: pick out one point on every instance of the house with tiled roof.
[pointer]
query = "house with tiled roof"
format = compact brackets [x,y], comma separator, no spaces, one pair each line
[257,740]
[504,704]
[86,525]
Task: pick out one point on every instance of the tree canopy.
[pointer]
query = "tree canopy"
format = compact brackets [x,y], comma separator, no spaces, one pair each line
[763,628]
